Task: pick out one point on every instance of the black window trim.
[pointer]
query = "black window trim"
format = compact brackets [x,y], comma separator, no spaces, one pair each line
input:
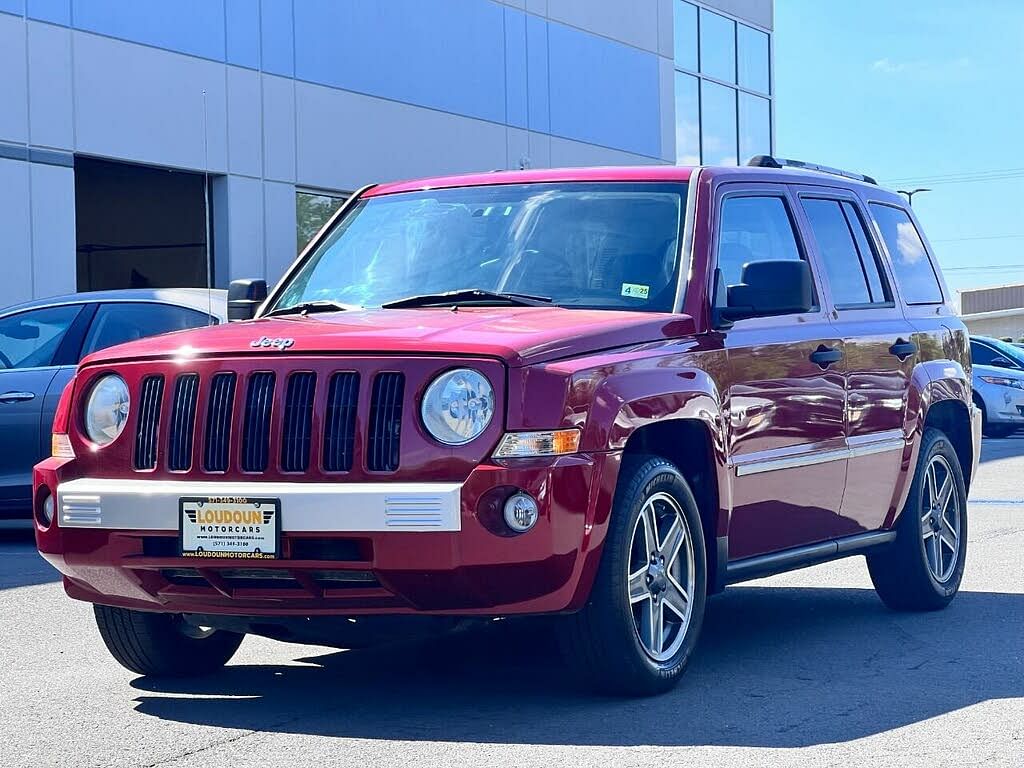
[943,298]
[764,189]
[842,196]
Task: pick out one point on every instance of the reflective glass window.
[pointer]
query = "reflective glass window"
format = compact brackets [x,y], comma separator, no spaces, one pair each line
[755,126]
[914,272]
[687,120]
[717,46]
[685,35]
[718,124]
[753,58]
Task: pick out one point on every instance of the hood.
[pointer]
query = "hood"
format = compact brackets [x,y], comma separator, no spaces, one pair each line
[977,369]
[517,335]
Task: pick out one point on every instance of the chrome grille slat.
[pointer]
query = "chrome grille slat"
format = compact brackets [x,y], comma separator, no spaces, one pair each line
[150,401]
[183,420]
[216,454]
[298,422]
[256,435]
[385,422]
[340,422]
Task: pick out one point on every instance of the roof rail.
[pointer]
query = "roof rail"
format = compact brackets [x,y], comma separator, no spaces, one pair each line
[767,161]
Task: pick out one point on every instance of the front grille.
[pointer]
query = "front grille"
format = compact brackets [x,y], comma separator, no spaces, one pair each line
[320,420]
[340,422]
[298,422]
[146,435]
[183,422]
[218,422]
[385,422]
[256,438]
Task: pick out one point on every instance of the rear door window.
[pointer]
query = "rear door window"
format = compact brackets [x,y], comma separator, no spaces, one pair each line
[913,268]
[127,321]
[849,261]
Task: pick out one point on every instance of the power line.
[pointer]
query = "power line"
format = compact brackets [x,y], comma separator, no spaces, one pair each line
[978,237]
[957,175]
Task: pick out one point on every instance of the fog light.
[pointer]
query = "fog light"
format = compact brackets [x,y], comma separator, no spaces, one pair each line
[521,512]
[45,511]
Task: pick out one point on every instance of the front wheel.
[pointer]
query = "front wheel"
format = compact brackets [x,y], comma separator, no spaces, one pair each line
[639,628]
[163,645]
[922,569]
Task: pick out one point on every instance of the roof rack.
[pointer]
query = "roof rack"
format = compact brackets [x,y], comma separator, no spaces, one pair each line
[767,161]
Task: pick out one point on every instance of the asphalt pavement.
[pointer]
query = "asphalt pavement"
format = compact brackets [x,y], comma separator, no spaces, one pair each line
[803,669]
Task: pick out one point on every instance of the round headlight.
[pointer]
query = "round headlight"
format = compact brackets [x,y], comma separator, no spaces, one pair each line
[106,409]
[458,406]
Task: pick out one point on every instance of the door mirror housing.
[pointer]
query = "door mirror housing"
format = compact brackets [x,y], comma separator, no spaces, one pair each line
[781,287]
[245,297]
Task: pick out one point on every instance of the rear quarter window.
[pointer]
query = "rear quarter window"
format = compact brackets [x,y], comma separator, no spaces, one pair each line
[913,268]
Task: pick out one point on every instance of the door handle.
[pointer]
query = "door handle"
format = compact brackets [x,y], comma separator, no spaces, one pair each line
[824,356]
[903,349]
[16,397]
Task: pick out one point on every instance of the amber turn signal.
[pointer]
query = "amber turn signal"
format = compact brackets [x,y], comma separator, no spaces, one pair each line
[524,444]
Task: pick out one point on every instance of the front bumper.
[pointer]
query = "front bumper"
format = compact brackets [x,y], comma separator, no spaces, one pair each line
[346,548]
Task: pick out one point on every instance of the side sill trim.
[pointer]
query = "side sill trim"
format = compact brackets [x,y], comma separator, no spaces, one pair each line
[802,557]
[820,457]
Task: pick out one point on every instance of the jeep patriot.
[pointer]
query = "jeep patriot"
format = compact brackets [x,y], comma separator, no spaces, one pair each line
[596,394]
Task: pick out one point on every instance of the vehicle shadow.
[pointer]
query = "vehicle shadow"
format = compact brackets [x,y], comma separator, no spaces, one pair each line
[778,667]
[20,563]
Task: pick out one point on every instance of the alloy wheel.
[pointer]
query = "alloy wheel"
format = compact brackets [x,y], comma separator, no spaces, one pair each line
[661,576]
[940,519]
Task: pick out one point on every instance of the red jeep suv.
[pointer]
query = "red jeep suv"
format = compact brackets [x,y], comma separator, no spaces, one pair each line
[601,394]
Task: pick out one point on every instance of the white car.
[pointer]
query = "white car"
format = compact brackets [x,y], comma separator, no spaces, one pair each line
[998,385]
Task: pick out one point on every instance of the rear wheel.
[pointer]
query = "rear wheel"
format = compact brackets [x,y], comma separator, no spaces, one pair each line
[163,645]
[639,628]
[922,569]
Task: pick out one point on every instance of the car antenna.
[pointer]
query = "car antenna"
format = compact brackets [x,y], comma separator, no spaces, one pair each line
[206,214]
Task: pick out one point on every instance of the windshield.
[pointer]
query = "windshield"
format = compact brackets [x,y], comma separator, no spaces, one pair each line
[605,245]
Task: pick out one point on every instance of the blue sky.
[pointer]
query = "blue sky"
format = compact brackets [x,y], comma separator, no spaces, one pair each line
[912,89]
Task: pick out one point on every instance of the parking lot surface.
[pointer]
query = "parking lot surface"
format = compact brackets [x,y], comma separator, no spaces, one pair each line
[803,669]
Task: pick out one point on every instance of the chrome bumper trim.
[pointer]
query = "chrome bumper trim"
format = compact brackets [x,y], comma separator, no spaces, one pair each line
[152,505]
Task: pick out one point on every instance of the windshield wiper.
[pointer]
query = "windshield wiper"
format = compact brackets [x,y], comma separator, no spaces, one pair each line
[310,307]
[469,296]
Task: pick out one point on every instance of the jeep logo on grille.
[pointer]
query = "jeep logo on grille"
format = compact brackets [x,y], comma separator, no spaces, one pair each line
[263,342]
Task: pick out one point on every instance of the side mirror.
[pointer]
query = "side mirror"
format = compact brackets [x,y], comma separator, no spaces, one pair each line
[770,288]
[245,297]
[1002,362]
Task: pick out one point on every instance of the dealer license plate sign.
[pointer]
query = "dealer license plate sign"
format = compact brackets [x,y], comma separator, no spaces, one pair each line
[230,526]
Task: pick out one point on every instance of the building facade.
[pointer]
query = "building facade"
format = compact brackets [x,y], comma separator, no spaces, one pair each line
[174,142]
[997,311]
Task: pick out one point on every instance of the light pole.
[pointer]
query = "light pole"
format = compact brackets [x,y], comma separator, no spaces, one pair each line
[910,193]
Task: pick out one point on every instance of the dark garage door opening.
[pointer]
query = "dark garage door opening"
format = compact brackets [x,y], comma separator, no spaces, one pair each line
[139,227]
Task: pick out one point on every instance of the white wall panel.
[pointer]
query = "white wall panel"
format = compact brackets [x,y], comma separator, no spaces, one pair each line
[15,234]
[54,261]
[279,213]
[144,104]
[634,22]
[49,82]
[278,128]
[13,80]
[567,153]
[346,140]
[245,134]
[238,238]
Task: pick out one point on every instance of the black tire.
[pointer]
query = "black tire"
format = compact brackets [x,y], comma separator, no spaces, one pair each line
[902,574]
[601,643]
[163,645]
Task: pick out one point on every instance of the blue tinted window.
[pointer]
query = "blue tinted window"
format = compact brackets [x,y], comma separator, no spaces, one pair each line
[718,124]
[754,229]
[685,35]
[687,120]
[30,339]
[753,58]
[910,262]
[118,323]
[755,127]
[717,46]
[838,252]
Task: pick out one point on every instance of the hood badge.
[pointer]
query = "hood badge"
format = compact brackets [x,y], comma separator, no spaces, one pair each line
[265,342]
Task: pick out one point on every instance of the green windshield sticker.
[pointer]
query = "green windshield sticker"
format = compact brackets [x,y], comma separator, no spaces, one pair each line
[635,291]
